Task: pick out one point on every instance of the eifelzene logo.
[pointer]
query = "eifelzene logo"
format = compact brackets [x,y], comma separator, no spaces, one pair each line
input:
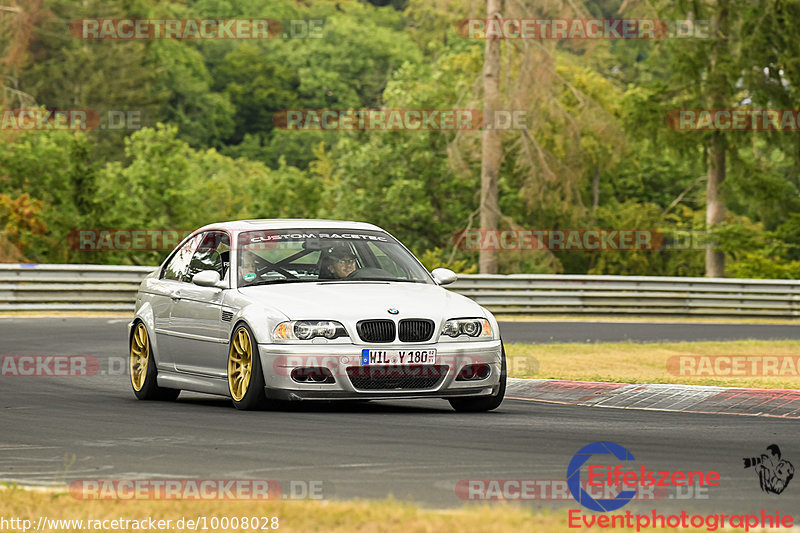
[600,475]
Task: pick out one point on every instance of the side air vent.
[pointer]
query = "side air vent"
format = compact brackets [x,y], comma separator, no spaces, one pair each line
[227,316]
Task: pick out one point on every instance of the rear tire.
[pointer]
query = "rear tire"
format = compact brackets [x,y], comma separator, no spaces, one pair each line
[484,403]
[143,369]
[245,375]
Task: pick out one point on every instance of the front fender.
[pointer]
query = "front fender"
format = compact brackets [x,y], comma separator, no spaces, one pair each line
[261,320]
[144,313]
[493,322]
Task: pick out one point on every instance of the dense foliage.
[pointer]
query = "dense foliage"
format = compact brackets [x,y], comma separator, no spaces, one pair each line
[596,151]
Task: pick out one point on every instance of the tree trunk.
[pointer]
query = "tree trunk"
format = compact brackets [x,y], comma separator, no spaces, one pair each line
[715,204]
[492,150]
[718,92]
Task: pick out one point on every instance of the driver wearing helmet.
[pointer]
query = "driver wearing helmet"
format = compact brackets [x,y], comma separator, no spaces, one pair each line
[342,261]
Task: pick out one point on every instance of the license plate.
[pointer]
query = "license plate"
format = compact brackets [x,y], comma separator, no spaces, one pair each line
[398,357]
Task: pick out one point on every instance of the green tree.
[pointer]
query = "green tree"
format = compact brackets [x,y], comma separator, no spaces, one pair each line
[168,185]
[54,170]
[65,72]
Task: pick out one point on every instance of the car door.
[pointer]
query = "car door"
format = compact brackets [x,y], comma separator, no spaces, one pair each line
[169,285]
[200,333]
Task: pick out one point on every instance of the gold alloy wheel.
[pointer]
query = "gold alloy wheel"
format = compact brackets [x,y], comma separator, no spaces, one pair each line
[240,364]
[140,356]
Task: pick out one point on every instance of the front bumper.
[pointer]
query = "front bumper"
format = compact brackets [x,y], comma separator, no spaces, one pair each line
[278,361]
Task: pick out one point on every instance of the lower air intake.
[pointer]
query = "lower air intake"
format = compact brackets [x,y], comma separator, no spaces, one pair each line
[410,377]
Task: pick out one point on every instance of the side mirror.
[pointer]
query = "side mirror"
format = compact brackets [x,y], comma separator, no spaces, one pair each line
[443,276]
[209,278]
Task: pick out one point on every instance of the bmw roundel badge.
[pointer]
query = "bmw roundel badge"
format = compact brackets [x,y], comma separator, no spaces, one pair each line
[393,311]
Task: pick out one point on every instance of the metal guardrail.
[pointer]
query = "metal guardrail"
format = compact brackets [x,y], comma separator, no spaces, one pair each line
[69,287]
[632,295]
[113,288]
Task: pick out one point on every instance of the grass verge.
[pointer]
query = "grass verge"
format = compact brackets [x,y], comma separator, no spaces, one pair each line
[630,362]
[65,314]
[646,319]
[294,516]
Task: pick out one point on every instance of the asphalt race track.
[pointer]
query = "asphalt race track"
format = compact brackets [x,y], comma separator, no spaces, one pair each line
[55,430]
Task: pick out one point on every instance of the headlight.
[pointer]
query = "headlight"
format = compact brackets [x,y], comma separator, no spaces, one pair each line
[471,327]
[303,330]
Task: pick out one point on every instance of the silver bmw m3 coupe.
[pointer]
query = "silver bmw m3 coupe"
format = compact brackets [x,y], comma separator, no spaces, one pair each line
[264,311]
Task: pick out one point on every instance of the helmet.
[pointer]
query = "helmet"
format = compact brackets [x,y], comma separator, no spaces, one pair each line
[341,251]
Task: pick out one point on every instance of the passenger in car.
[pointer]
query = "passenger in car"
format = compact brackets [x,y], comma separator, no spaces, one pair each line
[247,269]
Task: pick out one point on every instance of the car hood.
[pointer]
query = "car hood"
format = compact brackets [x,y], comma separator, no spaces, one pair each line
[351,300]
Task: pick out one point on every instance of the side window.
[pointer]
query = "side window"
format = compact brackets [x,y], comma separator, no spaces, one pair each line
[177,266]
[213,253]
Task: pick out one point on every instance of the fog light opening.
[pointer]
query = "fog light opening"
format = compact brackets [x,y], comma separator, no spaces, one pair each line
[474,372]
[312,374]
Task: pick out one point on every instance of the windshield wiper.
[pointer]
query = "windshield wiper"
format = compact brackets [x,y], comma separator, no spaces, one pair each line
[389,279]
[275,282]
[347,280]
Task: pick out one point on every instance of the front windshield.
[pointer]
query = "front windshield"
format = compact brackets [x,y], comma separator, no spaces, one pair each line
[298,255]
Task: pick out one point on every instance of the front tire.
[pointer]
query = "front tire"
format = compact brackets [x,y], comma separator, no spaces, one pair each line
[143,368]
[245,376]
[484,403]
